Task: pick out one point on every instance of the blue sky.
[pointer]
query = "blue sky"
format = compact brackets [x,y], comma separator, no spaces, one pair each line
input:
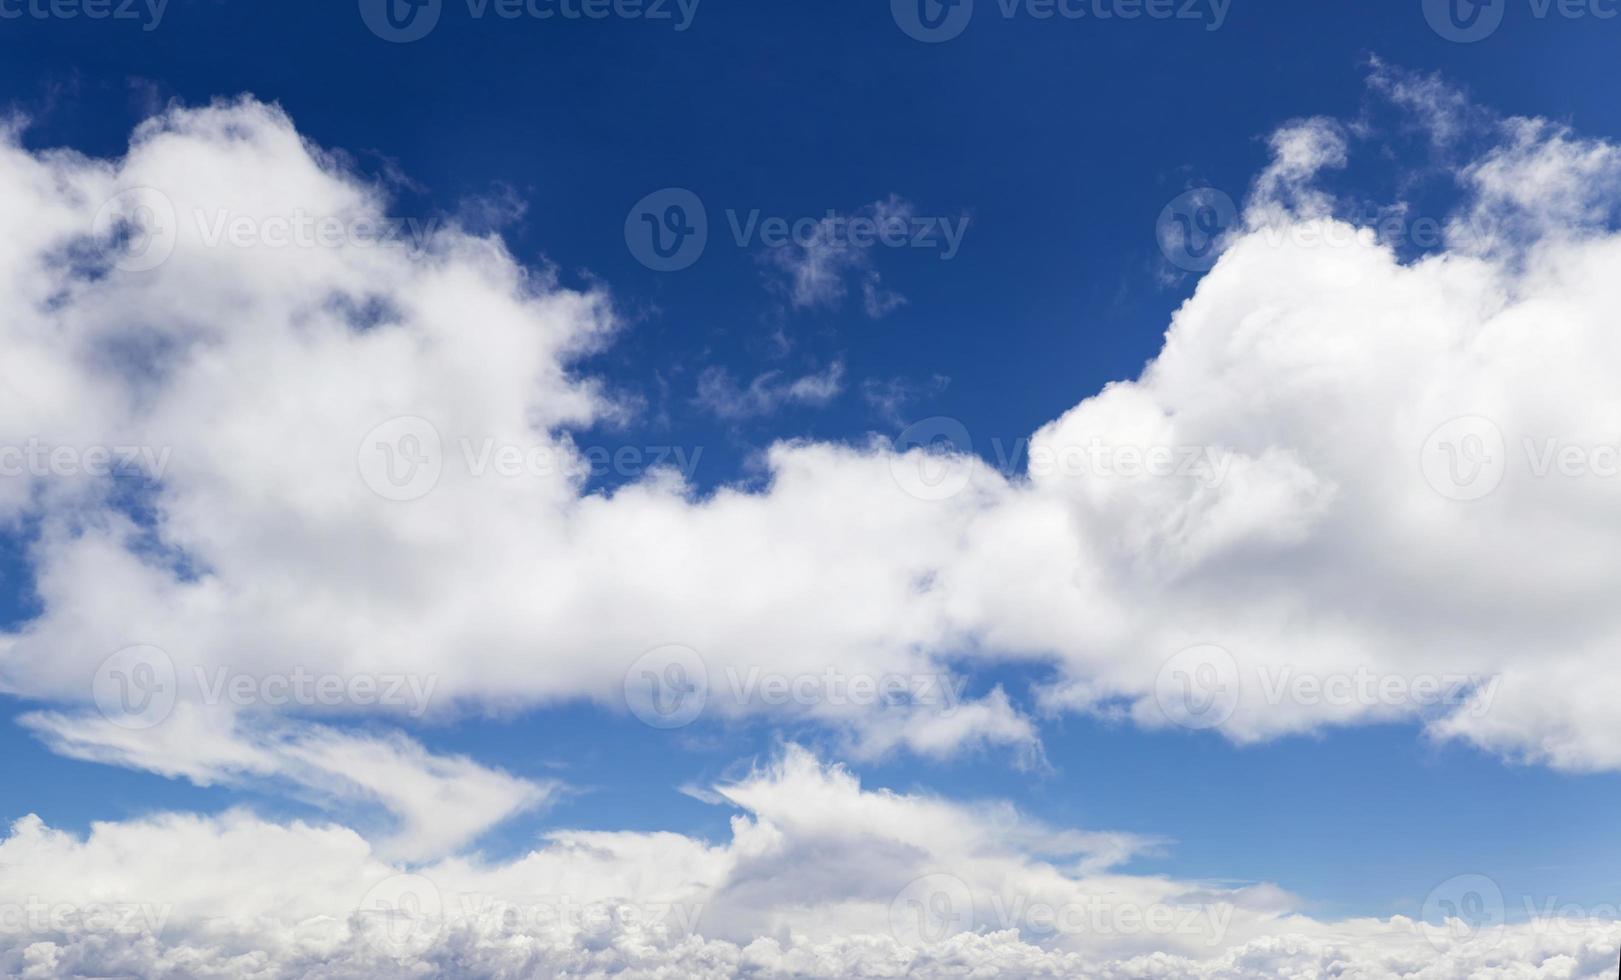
[1058,142]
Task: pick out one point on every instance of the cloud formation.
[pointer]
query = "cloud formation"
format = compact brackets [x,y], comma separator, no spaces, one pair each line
[1354,486]
[1267,486]
[820,878]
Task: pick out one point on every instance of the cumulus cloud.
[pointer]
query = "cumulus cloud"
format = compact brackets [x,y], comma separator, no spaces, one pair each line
[821,877]
[1351,488]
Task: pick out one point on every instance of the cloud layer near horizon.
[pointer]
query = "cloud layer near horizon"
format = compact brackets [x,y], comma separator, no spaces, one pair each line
[821,878]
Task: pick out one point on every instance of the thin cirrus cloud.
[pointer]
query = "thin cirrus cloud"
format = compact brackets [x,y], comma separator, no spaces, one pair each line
[722,395]
[818,271]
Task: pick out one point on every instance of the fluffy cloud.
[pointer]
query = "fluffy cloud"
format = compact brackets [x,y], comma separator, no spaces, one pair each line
[1353,487]
[821,878]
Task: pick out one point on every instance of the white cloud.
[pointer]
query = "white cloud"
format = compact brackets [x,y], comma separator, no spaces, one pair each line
[436,804]
[720,393]
[816,269]
[817,880]
[1307,377]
